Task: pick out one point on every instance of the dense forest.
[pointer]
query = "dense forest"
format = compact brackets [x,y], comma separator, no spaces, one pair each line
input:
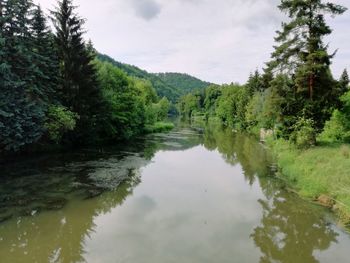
[169,85]
[56,89]
[296,95]
[183,82]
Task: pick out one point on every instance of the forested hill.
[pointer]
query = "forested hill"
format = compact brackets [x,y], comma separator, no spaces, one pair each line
[169,85]
[184,82]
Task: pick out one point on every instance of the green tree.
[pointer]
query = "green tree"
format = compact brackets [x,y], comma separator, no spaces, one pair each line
[344,81]
[232,105]
[189,104]
[212,93]
[164,107]
[301,52]
[254,83]
[45,56]
[124,109]
[22,111]
[80,91]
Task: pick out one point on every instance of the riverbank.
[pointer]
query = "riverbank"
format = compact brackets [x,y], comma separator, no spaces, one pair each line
[159,127]
[42,148]
[320,174]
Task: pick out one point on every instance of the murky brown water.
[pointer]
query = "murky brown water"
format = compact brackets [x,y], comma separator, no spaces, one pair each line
[191,195]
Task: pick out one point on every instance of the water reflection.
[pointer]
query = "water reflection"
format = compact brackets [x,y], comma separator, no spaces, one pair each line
[291,229]
[238,148]
[59,236]
[191,205]
[291,233]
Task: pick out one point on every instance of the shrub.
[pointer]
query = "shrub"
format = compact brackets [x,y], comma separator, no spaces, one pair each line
[59,121]
[335,129]
[159,127]
[304,134]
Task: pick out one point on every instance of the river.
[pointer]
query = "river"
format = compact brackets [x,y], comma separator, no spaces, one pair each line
[192,195]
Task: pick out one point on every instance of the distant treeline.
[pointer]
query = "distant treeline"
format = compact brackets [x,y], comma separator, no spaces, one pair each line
[169,85]
[296,95]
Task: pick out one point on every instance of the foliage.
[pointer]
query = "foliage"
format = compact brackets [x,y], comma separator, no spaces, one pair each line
[212,93]
[159,127]
[189,104]
[304,134]
[231,105]
[184,83]
[23,89]
[296,94]
[40,68]
[302,53]
[337,129]
[169,85]
[316,171]
[254,111]
[124,109]
[162,109]
[59,121]
[79,89]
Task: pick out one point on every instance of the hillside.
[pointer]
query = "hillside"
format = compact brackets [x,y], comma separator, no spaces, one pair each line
[183,82]
[170,85]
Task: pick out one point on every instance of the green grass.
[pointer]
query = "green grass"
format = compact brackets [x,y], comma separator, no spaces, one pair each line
[321,170]
[160,127]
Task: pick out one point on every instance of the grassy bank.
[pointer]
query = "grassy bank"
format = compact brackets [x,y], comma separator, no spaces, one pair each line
[320,174]
[160,127]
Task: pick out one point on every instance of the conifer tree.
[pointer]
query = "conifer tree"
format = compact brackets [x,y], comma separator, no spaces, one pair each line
[21,109]
[344,80]
[302,53]
[254,83]
[79,87]
[45,56]
[301,50]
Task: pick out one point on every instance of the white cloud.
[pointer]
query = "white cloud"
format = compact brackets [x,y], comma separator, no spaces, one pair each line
[216,40]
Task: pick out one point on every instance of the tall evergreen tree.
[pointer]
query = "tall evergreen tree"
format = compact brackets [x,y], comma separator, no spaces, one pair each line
[301,48]
[254,82]
[45,56]
[344,80]
[21,109]
[302,53]
[79,87]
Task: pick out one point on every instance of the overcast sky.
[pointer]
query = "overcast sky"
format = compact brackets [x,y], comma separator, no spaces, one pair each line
[216,40]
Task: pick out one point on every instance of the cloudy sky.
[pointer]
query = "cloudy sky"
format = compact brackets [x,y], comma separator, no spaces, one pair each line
[216,40]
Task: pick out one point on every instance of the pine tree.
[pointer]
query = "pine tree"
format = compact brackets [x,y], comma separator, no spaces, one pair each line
[302,53]
[78,80]
[254,82]
[301,50]
[21,109]
[45,56]
[344,80]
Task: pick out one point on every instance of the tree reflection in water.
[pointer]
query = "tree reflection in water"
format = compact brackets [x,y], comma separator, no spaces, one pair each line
[291,229]
[60,234]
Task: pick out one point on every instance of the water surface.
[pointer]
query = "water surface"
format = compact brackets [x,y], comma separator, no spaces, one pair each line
[193,195]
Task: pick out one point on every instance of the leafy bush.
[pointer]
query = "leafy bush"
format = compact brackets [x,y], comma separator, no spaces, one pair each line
[232,105]
[159,127]
[59,121]
[304,134]
[335,130]
[254,110]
